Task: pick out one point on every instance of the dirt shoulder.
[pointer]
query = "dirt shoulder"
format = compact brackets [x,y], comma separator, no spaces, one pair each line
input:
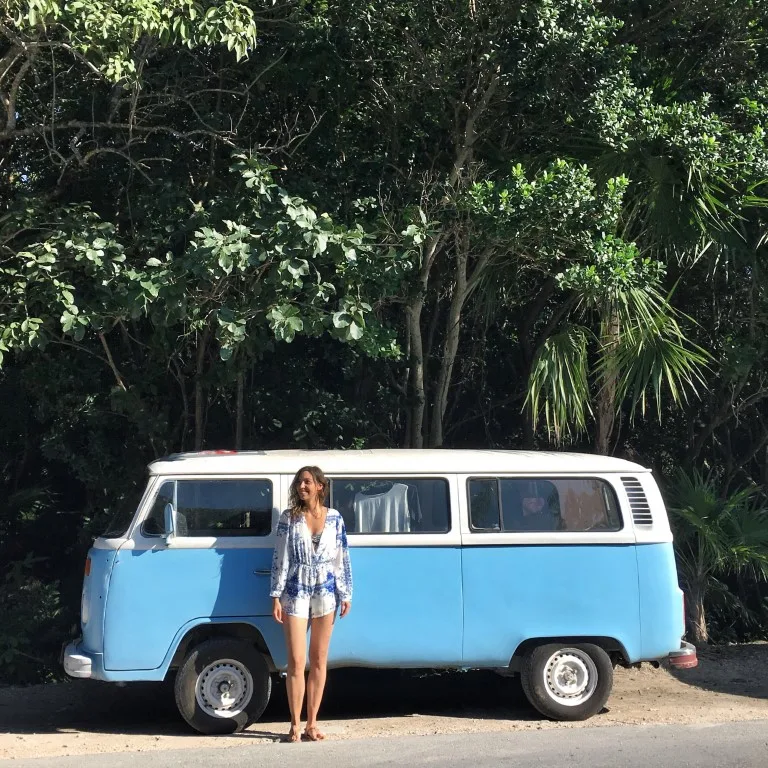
[86,717]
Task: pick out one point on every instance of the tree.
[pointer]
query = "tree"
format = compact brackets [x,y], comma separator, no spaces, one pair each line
[638,347]
[715,535]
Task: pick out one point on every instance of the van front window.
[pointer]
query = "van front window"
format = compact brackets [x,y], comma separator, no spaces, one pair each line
[241,507]
[122,515]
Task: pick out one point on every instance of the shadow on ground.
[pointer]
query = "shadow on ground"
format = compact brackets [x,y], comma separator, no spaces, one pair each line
[738,670]
[149,708]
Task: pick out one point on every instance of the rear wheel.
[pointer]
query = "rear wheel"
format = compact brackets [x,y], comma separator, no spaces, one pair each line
[567,682]
[223,685]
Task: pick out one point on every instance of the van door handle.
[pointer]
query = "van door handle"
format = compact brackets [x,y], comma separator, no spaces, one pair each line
[262,573]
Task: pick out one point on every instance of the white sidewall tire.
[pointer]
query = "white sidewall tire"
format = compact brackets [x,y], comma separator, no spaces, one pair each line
[567,681]
[223,686]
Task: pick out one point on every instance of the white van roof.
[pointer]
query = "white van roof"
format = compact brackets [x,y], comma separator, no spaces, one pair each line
[388,461]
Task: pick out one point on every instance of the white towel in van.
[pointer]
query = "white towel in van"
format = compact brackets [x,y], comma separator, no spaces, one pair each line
[383,512]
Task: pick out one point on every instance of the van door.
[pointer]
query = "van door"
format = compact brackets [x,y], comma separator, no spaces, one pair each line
[216,566]
[405,553]
[545,557]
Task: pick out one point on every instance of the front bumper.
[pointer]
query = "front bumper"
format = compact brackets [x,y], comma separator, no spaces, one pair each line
[684,658]
[76,662]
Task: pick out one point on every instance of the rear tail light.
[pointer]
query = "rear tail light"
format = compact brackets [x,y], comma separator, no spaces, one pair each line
[87,566]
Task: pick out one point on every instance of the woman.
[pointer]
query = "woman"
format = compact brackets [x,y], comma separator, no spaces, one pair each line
[310,577]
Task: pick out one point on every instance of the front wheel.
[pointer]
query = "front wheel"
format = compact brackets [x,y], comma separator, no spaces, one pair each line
[223,685]
[567,682]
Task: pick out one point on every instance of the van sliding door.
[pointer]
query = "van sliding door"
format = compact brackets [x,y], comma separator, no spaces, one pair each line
[405,551]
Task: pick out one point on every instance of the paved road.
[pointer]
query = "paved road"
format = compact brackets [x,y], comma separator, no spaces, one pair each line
[734,745]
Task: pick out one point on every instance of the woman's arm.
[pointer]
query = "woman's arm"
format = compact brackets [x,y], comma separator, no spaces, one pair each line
[280,557]
[342,567]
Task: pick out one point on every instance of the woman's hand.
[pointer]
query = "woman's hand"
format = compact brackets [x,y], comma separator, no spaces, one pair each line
[345,608]
[277,610]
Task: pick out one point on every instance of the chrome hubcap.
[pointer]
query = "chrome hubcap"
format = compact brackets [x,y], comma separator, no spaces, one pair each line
[224,688]
[570,676]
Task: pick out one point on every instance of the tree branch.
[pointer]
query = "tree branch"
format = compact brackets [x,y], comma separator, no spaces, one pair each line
[111,362]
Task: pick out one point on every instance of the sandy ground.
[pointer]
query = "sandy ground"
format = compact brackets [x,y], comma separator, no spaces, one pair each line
[86,717]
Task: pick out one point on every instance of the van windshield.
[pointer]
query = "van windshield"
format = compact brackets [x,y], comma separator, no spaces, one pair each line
[123,510]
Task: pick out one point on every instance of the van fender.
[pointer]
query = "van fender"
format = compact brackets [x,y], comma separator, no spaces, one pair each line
[613,647]
[260,631]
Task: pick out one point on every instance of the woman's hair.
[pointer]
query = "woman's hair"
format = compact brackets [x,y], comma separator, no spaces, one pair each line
[294,502]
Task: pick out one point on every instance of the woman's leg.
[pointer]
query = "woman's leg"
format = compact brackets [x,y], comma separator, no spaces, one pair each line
[320,639]
[295,628]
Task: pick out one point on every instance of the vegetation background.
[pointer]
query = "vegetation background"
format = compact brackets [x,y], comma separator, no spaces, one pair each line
[471,223]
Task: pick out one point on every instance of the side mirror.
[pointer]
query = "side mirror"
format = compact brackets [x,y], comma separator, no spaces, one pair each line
[169,518]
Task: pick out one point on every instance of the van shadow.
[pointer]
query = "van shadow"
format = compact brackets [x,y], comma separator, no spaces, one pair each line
[149,708]
[738,670]
[378,693]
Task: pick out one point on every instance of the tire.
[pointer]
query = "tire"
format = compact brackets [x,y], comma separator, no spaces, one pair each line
[223,686]
[567,682]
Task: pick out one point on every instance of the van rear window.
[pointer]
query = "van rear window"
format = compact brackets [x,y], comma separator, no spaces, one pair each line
[541,505]
[392,504]
[213,508]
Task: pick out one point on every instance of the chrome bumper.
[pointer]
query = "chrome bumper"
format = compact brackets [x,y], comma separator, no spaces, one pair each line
[685,657]
[76,663]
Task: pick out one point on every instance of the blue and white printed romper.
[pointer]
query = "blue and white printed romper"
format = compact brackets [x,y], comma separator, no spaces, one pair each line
[309,581]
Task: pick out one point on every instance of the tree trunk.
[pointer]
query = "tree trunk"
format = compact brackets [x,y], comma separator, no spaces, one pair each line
[239,412]
[450,348]
[413,320]
[605,411]
[418,403]
[697,619]
[202,344]
[464,142]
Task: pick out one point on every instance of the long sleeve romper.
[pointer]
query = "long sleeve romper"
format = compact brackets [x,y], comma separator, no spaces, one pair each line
[311,582]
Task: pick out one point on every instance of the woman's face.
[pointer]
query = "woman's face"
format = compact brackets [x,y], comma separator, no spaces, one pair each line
[308,489]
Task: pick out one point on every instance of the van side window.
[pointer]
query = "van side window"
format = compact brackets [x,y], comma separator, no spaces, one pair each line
[214,508]
[484,504]
[542,505]
[392,505]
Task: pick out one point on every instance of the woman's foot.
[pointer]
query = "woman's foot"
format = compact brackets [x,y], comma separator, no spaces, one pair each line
[313,733]
[294,734]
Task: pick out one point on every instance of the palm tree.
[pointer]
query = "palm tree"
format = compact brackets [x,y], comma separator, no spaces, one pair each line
[638,347]
[715,535]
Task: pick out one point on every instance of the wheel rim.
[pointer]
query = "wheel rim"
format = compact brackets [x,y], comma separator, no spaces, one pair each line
[570,676]
[224,688]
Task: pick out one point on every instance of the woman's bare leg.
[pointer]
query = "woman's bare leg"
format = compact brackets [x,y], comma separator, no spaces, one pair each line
[320,639]
[295,629]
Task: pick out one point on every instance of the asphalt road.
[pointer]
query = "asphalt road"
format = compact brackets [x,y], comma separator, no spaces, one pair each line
[733,745]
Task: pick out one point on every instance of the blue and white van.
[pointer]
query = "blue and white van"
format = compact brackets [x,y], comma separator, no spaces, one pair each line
[554,566]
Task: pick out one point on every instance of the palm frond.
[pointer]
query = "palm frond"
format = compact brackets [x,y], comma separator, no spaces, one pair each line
[653,355]
[716,534]
[559,383]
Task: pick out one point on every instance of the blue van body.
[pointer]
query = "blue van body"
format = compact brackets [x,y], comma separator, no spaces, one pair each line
[456,599]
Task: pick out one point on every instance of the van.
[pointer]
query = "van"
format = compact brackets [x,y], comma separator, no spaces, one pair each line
[553,566]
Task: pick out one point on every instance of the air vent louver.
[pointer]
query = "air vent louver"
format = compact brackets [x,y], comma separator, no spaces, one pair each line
[641,510]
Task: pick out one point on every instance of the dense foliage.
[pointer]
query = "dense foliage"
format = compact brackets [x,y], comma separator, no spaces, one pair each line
[479,223]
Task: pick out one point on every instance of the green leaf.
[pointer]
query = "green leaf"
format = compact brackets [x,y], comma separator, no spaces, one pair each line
[342,319]
[355,331]
[321,242]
